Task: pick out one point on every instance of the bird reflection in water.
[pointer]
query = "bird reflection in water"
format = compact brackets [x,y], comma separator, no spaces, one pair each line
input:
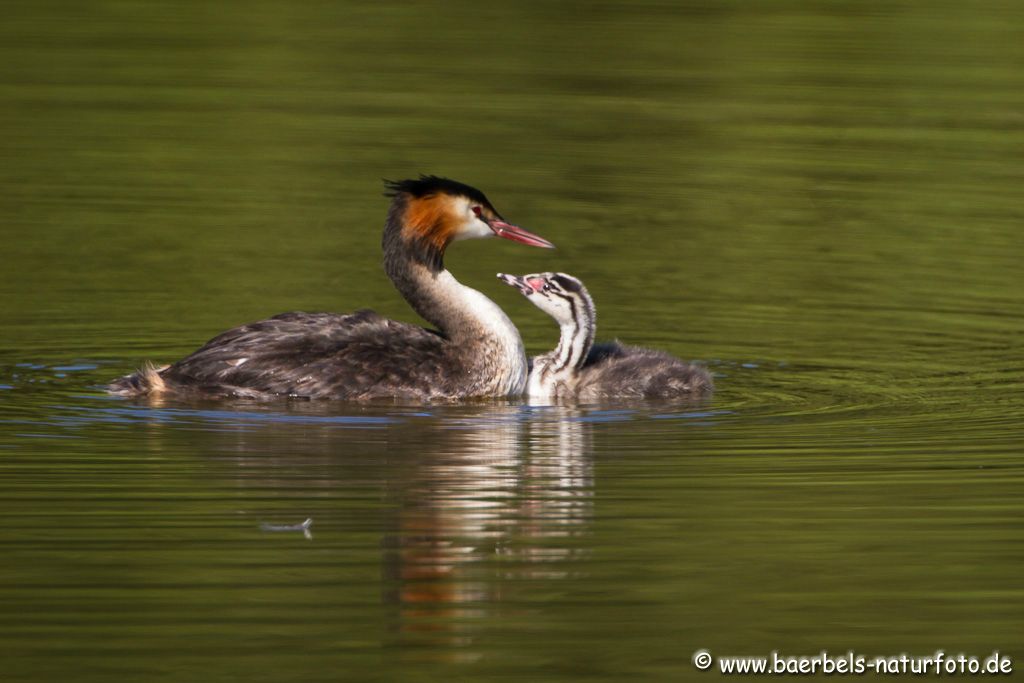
[480,499]
[507,498]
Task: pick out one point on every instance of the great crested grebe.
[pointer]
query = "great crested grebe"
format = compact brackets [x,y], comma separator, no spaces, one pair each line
[579,369]
[475,350]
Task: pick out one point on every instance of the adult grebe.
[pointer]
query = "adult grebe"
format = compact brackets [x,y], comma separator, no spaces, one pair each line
[475,350]
[577,369]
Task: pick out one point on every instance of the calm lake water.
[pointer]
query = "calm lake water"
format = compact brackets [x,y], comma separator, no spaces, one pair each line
[822,201]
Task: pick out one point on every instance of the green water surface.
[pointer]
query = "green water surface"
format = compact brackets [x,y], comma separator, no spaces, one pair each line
[821,200]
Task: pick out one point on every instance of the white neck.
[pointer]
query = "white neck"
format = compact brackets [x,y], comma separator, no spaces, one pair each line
[483,320]
[487,340]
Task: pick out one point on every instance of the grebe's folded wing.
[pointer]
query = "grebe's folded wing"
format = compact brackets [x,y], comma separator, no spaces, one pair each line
[358,355]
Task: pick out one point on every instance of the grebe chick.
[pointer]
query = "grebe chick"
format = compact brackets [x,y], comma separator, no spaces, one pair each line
[577,369]
[475,349]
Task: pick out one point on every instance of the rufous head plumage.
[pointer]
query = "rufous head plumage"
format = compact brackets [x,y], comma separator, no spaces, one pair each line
[433,212]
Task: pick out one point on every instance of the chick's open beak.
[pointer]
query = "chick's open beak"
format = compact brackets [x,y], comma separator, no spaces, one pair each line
[517,281]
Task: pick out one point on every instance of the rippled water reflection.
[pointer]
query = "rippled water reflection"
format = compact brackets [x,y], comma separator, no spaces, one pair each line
[822,203]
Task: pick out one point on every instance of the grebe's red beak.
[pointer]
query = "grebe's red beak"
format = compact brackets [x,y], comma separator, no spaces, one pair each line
[517,234]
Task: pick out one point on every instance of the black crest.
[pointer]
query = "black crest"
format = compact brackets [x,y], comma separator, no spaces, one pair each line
[427,185]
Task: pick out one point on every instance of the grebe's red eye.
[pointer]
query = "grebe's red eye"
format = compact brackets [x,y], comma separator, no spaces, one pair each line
[478,211]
